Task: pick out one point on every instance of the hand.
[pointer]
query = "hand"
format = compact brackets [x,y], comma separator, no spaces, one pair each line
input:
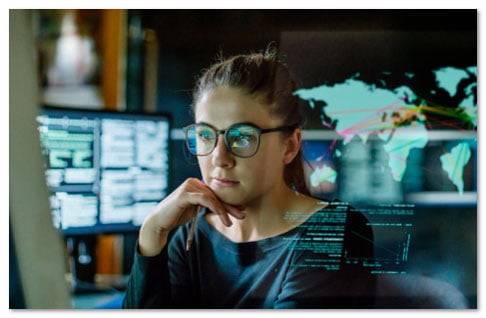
[177,209]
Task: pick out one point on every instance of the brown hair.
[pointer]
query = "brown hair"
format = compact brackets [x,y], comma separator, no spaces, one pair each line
[264,76]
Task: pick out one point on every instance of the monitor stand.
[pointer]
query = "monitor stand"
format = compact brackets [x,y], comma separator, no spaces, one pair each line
[82,260]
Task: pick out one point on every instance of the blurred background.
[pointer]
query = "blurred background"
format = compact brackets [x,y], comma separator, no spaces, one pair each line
[391,104]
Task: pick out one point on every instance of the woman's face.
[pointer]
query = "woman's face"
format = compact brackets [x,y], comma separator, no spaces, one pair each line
[240,181]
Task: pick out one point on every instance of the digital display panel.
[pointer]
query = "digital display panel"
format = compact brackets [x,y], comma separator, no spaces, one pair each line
[106,170]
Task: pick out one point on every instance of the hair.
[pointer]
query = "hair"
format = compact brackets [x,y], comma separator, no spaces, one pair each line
[267,78]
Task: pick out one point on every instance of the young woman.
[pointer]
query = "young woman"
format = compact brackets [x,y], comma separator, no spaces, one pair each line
[261,240]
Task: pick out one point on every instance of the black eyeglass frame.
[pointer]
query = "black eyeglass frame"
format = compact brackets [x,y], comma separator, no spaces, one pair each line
[224,132]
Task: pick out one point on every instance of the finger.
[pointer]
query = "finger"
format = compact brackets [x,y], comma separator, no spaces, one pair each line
[236,211]
[224,218]
[210,201]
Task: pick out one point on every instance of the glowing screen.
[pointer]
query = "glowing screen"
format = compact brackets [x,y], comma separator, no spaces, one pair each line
[106,170]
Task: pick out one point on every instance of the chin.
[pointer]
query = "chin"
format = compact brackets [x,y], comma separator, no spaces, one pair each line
[229,198]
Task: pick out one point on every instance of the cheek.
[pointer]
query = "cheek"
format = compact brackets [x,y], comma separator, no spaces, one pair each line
[268,163]
[204,166]
[272,152]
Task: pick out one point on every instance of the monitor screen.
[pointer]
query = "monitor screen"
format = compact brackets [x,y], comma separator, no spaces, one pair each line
[106,170]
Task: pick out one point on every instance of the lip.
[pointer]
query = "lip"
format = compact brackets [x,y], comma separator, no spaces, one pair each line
[225,182]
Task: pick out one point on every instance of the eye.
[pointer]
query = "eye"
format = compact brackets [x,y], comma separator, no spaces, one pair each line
[205,135]
[242,138]
[242,141]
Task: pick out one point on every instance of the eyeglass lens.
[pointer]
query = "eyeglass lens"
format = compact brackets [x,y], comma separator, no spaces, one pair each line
[242,140]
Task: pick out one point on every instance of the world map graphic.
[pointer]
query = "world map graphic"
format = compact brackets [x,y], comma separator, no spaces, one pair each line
[398,116]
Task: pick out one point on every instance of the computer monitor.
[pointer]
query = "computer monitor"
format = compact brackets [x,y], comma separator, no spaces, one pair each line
[106,170]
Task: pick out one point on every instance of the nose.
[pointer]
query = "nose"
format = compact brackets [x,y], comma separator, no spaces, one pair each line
[221,157]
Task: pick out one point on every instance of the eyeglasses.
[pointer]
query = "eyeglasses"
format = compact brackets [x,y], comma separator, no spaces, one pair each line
[242,139]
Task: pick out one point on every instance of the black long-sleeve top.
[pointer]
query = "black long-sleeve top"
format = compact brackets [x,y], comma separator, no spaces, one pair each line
[318,264]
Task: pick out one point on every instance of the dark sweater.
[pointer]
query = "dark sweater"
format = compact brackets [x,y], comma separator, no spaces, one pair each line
[310,266]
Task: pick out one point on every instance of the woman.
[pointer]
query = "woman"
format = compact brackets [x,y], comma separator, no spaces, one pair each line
[261,240]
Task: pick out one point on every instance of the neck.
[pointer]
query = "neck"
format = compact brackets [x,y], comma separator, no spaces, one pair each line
[269,216]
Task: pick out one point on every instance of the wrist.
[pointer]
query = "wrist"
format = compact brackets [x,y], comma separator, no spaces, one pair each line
[151,242]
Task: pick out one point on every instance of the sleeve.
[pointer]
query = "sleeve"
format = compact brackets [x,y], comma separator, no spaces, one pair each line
[313,282]
[165,280]
[182,268]
[148,285]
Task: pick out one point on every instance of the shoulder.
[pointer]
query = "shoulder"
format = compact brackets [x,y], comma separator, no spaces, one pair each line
[359,237]
[342,210]
[341,217]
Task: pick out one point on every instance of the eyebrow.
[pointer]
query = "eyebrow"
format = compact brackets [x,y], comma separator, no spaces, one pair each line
[239,123]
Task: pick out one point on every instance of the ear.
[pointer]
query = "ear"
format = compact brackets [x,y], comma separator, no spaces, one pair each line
[292,146]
